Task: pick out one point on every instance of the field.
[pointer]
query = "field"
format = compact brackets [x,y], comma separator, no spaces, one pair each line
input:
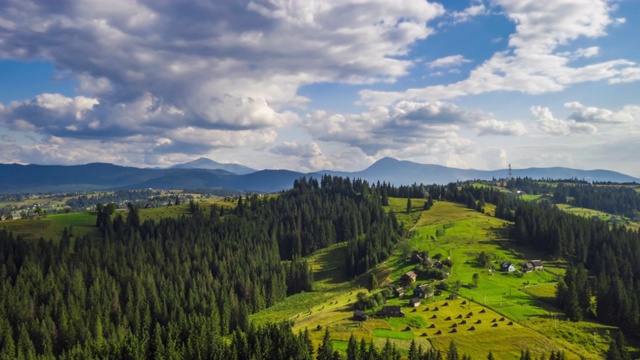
[600,214]
[52,226]
[461,234]
[523,301]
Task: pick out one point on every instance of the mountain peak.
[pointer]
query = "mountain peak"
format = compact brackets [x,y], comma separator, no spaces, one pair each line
[208,164]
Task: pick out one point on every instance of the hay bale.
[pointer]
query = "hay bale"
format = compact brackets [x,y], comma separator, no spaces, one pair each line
[464,302]
[423,334]
[414,310]
[436,308]
[434,316]
[459,316]
[510,323]
[454,325]
[454,330]
[446,304]
[472,328]
[501,319]
[470,314]
[494,325]
[432,326]
[479,321]
[438,332]
[408,328]
[494,320]
[463,322]
[448,318]
[426,309]
[483,311]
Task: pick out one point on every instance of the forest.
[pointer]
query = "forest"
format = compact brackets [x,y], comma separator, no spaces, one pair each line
[185,283]
[184,287]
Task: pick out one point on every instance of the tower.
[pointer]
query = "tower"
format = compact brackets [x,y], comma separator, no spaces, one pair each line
[510,175]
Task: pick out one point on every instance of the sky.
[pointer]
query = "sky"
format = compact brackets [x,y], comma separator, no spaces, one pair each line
[310,85]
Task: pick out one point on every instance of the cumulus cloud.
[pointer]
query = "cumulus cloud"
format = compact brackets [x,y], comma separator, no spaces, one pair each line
[475,9]
[589,114]
[448,61]
[160,68]
[531,64]
[550,125]
[403,125]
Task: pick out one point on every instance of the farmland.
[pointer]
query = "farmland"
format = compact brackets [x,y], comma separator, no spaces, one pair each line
[524,302]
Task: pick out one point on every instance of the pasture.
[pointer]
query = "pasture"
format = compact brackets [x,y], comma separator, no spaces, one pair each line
[459,233]
[52,226]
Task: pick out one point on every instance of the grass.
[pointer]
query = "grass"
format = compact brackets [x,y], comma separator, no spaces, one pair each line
[460,233]
[52,226]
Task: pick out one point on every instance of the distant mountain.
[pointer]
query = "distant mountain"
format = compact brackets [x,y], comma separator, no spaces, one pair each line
[406,172]
[204,163]
[16,178]
[400,172]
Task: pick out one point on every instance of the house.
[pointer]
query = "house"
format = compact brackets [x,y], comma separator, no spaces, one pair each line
[537,265]
[16,215]
[416,258]
[507,267]
[390,311]
[527,267]
[408,277]
[414,302]
[399,292]
[423,291]
[359,315]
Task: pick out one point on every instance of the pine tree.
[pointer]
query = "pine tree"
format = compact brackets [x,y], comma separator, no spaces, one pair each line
[413,351]
[325,349]
[353,352]
[452,354]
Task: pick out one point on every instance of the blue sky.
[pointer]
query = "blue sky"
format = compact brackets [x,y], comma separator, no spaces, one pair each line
[310,85]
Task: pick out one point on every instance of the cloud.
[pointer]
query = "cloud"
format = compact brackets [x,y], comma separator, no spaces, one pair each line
[467,14]
[587,114]
[160,68]
[550,125]
[448,61]
[531,64]
[403,125]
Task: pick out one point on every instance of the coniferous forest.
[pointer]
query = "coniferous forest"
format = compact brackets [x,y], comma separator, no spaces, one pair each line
[174,288]
[184,287]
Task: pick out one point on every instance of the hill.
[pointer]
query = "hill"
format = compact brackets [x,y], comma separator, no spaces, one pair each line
[208,164]
[15,178]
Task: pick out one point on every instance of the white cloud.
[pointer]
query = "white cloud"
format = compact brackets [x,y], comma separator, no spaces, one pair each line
[550,125]
[474,10]
[588,114]
[448,61]
[530,64]
[158,68]
[405,125]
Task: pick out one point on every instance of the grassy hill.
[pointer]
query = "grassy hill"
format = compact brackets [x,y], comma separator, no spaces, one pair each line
[525,303]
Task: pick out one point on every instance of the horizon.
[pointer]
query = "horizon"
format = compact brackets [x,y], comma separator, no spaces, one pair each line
[334,170]
[475,84]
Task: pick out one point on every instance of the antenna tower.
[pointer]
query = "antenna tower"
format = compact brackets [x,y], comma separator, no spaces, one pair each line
[510,175]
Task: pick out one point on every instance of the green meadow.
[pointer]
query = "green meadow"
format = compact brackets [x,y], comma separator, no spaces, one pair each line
[51,227]
[504,313]
[524,303]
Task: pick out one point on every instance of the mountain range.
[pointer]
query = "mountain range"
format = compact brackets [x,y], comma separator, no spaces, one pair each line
[208,174]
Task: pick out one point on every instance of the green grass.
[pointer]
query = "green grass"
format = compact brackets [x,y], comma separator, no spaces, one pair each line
[460,233]
[52,226]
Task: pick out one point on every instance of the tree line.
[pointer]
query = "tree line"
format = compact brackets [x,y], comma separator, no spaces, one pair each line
[176,286]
